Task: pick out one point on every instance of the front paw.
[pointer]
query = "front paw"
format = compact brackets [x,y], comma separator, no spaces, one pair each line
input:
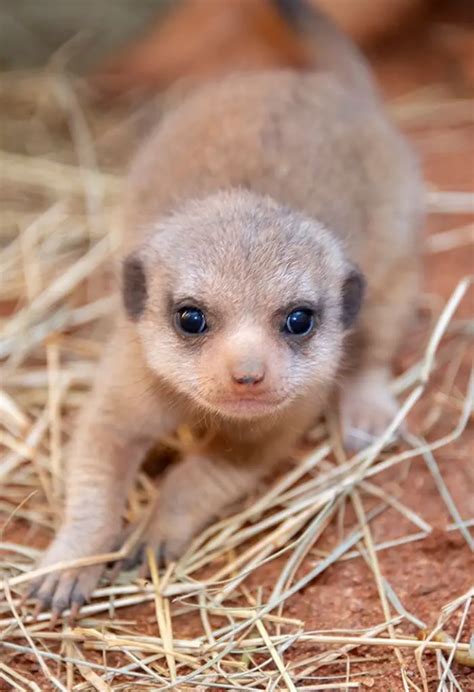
[367,408]
[168,536]
[70,587]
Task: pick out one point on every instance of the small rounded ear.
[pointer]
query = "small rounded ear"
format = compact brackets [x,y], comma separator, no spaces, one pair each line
[353,290]
[134,288]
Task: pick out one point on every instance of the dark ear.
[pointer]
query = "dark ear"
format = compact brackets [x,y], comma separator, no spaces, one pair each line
[134,288]
[352,294]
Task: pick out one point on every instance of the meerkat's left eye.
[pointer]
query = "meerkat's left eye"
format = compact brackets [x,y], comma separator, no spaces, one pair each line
[191,320]
[299,322]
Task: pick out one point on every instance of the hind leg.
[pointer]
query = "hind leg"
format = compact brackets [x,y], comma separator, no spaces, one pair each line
[367,406]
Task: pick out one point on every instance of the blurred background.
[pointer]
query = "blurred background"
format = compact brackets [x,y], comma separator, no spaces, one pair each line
[130,43]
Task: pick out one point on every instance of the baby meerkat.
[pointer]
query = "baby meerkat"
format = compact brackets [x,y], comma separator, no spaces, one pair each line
[252,214]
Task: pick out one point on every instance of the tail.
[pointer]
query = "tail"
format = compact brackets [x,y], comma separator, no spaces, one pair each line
[328,47]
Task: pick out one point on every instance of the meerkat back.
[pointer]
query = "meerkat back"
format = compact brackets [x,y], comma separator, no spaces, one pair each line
[319,143]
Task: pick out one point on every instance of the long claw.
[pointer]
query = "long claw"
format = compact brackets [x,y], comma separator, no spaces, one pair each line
[55,616]
[26,596]
[135,558]
[75,608]
[161,556]
[144,571]
[37,609]
[115,570]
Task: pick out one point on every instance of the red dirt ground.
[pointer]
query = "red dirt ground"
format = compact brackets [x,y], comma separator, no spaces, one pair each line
[427,574]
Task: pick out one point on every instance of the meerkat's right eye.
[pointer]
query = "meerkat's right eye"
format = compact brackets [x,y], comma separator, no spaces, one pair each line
[191,320]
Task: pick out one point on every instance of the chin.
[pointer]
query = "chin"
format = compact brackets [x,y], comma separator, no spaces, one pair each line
[247,409]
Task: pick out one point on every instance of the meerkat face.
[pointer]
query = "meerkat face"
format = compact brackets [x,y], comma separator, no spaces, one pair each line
[241,304]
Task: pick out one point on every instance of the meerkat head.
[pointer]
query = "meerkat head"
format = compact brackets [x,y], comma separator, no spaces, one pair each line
[241,304]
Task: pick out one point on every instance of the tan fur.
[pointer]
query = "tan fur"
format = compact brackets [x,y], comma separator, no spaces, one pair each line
[255,193]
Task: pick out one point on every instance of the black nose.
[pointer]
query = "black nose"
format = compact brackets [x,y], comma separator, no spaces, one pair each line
[253,378]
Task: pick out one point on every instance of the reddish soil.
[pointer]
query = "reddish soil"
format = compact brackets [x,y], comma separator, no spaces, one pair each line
[427,574]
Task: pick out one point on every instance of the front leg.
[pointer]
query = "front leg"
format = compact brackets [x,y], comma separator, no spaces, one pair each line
[196,491]
[116,427]
[205,485]
[101,470]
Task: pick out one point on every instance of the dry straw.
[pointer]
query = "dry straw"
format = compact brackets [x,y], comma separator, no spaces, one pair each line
[56,239]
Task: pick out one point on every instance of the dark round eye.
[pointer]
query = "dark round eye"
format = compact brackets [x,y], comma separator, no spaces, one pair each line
[191,320]
[299,322]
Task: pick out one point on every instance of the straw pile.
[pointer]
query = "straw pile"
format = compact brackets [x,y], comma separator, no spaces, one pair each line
[212,627]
